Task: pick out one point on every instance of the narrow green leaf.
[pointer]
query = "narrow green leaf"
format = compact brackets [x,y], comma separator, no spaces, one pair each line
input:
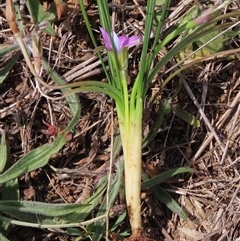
[34,159]
[117,144]
[104,15]
[166,198]
[124,234]
[7,68]
[19,18]
[93,200]
[105,22]
[119,221]
[186,116]
[7,48]
[141,81]
[163,109]
[100,225]
[3,238]
[188,40]
[164,176]
[72,99]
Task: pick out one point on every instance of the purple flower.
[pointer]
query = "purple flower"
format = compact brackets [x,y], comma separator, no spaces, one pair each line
[120,42]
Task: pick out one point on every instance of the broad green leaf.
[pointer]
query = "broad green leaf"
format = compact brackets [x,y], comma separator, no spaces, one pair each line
[186,116]
[9,189]
[36,158]
[39,15]
[75,232]
[12,208]
[4,152]
[40,213]
[213,47]
[7,68]
[164,176]
[160,2]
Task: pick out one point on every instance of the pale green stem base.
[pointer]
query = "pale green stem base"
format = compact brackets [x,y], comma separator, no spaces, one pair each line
[131,136]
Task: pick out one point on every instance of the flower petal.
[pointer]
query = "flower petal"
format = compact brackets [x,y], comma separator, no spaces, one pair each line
[133,41]
[120,42]
[106,39]
[116,41]
[123,41]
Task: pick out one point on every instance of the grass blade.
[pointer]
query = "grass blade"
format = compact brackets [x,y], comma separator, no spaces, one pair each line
[6,69]
[164,176]
[93,200]
[7,48]
[166,198]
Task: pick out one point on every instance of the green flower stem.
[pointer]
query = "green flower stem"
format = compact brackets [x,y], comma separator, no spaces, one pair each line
[125,100]
[114,67]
